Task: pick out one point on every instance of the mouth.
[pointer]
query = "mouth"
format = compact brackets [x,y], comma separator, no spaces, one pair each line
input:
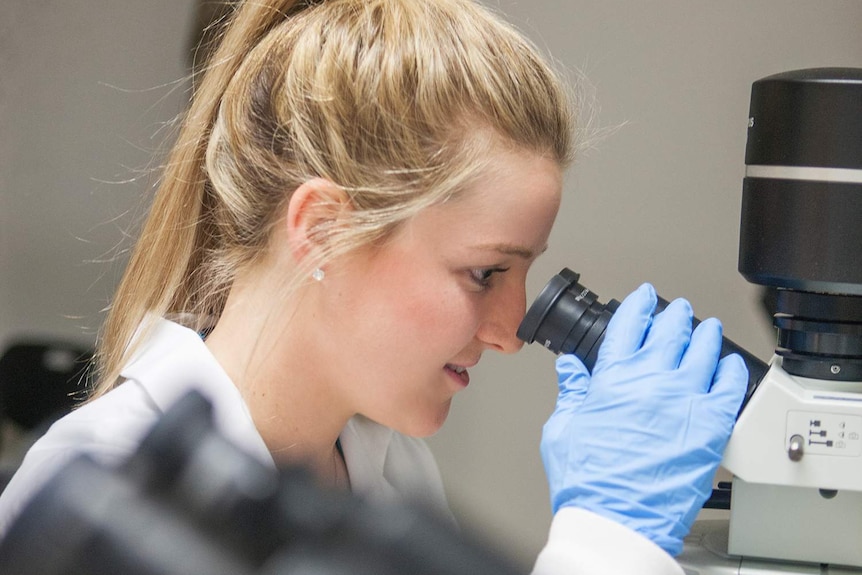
[459,373]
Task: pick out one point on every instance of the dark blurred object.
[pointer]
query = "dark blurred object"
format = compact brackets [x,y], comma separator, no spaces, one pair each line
[188,501]
[40,380]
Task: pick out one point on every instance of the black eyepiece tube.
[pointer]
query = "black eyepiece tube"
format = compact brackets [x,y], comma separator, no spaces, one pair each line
[566,317]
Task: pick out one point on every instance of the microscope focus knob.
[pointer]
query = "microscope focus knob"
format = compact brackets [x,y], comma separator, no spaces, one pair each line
[797,448]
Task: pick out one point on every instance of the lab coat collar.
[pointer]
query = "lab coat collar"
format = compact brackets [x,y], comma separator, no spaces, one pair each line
[174,361]
[365,445]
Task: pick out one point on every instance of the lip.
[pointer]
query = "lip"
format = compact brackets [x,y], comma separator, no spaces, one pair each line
[459,373]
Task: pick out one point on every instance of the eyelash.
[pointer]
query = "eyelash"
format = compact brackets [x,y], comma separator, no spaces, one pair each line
[482,276]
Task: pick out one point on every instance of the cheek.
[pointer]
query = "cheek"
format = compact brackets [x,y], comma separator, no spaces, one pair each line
[419,301]
[435,316]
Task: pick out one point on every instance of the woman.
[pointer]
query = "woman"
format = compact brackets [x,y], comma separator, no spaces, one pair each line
[344,227]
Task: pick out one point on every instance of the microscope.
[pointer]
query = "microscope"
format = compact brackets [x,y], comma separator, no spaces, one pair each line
[795,500]
[796,450]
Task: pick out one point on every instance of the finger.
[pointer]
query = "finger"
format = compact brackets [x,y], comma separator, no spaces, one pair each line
[669,335]
[628,326]
[573,380]
[730,383]
[701,357]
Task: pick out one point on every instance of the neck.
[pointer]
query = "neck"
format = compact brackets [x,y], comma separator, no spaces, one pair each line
[260,342]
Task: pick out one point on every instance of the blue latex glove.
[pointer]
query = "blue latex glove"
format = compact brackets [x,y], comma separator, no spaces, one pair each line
[640,440]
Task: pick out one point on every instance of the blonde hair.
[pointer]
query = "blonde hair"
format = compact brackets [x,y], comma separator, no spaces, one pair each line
[397,102]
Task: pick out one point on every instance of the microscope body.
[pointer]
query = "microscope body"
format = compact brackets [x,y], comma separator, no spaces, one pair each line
[796,458]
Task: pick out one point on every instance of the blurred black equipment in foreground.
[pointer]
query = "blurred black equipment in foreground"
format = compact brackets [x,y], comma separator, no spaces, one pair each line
[188,501]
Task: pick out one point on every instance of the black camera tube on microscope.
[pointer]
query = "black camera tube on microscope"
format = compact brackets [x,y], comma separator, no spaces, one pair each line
[567,318]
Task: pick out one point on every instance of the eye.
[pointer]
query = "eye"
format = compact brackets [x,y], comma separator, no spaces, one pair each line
[482,276]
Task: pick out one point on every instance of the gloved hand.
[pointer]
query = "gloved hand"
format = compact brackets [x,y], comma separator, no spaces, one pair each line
[640,440]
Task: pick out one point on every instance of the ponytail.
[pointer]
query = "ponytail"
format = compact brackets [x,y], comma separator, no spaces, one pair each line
[163,275]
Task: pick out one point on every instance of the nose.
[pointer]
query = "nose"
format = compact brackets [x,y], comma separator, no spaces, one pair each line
[501,317]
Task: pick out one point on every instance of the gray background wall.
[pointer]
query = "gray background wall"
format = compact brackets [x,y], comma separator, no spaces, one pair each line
[87,85]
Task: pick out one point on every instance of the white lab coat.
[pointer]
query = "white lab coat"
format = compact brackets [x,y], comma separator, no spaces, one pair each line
[382,463]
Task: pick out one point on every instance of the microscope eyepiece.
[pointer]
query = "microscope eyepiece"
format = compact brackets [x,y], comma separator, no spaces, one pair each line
[568,318]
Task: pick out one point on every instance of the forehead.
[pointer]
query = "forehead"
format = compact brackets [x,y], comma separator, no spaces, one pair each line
[511,205]
[514,176]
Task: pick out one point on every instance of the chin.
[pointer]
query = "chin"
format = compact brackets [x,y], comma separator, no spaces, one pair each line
[425,424]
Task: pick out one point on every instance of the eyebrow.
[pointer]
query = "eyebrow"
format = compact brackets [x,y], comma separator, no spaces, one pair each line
[513,250]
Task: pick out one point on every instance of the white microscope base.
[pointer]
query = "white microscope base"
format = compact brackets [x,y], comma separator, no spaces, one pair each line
[705,553]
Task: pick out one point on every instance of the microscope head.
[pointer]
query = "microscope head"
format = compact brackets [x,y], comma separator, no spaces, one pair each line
[801,219]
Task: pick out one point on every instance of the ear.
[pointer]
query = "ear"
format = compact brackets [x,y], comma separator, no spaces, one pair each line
[313,210]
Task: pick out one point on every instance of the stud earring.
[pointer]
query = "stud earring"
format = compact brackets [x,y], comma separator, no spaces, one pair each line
[318,275]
